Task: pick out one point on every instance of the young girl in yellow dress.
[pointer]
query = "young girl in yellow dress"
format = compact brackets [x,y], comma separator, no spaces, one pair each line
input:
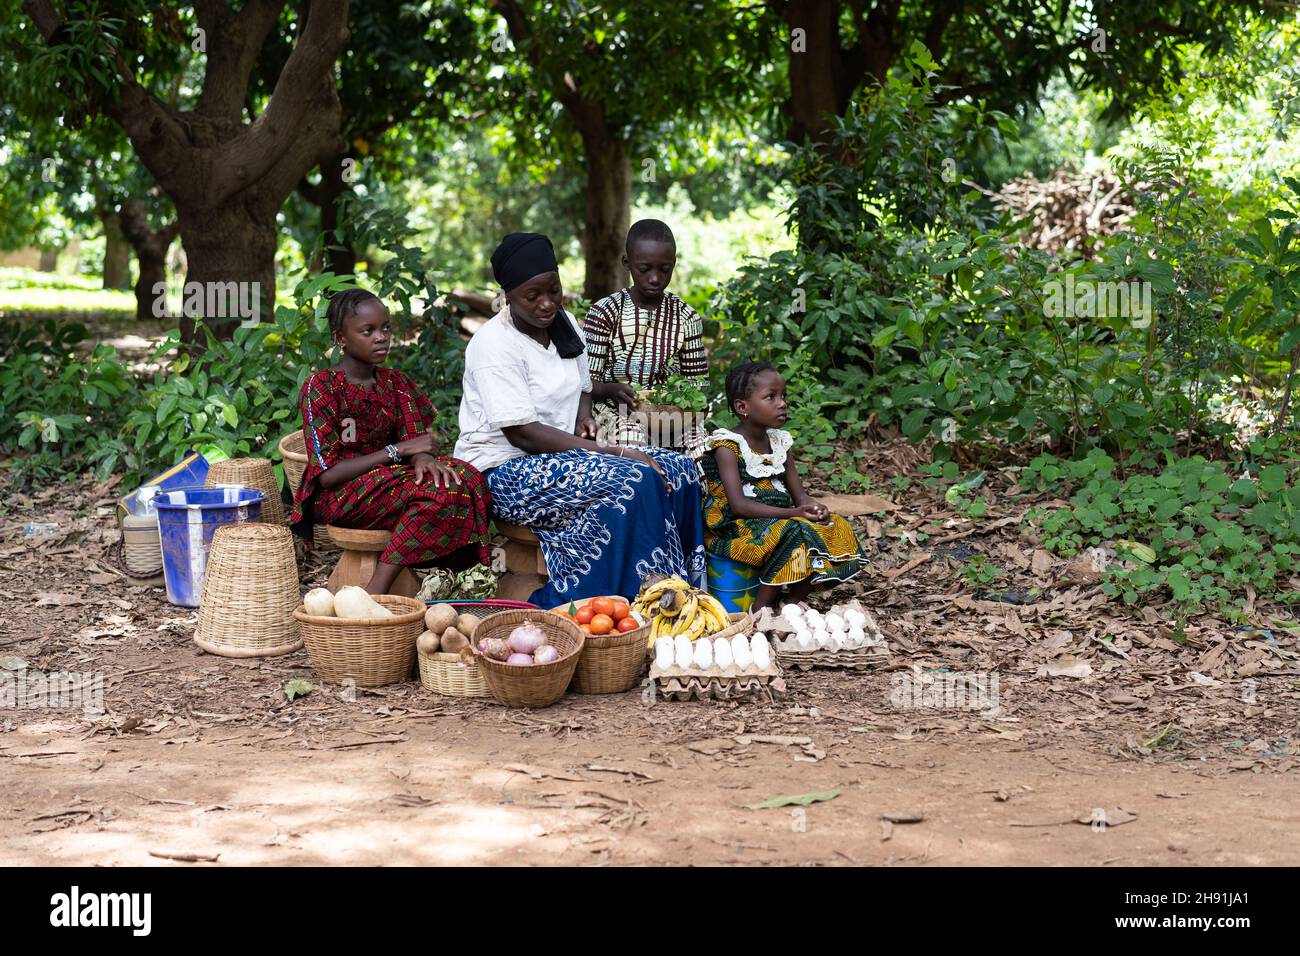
[756,511]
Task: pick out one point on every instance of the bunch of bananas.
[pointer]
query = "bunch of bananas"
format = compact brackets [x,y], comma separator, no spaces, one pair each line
[673,607]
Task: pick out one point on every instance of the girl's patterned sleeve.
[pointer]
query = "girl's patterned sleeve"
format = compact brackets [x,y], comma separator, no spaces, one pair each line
[694,363]
[320,424]
[415,413]
[598,328]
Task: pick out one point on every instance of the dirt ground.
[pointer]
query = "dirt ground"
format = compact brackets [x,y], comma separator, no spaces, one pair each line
[1117,738]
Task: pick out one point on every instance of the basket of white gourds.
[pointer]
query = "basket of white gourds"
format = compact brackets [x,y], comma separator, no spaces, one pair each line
[366,638]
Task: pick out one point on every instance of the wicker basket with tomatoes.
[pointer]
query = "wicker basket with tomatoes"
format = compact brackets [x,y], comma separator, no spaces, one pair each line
[613,657]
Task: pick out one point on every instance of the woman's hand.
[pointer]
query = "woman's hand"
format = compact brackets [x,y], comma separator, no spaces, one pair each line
[443,474]
[587,428]
[637,455]
[426,444]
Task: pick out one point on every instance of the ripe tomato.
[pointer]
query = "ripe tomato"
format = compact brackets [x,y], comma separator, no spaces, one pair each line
[621,610]
[585,628]
[627,624]
[602,605]
[585,614]
[601,624]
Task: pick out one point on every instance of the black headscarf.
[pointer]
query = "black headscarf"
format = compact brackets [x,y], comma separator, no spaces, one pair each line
[520,257]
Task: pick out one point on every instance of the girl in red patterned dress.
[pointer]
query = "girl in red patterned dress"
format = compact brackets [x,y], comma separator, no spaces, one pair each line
[372,461]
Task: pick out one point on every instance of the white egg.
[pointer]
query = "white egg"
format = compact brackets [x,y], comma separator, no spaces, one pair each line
[722,653]
[682,651]
[856,637]
[762,654]
[702,656]
[740,652]
[792,613]
[854,616]
[825,641]
[664,653]
[837,640]
[805,641]
[835,621]
[757,635]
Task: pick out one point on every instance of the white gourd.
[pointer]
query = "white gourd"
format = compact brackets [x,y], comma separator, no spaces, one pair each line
[318,601]
[353,602]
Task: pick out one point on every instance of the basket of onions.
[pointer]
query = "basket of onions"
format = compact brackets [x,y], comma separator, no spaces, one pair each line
[527,657]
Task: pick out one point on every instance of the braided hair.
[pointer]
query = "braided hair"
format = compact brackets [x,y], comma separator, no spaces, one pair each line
[740,381]
[342,306]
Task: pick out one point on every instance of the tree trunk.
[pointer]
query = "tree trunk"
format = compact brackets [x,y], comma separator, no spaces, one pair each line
[228,178]
[231,256]
[117,253]
[49,260]
[815,59]
[150,247]
[339,256]
[609,211]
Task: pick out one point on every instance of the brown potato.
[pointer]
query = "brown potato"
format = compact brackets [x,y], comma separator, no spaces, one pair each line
[427,642]
[467,624]
[453,641]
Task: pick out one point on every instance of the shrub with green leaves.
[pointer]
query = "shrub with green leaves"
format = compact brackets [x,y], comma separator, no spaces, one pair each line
[1192,531]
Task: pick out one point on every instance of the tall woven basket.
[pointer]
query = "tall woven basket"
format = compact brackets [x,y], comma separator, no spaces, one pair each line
[293,451]
[370,651]
[251,473]
[250,590]
[610,663]
[535,685]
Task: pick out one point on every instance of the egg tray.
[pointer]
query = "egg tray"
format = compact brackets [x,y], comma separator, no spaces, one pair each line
[684,683]
[855,659]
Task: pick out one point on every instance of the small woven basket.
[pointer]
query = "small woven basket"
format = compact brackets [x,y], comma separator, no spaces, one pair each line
[537,685]
[610,663]
[448,674]
[371,651]
[256,473]
[741,623]
[250,590]
[293,451]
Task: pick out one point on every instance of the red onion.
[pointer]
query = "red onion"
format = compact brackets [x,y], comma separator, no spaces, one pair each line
[495,648]
[527,638]
[546,654]
[519,659]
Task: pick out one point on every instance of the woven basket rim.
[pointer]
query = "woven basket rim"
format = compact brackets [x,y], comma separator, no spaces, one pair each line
[603,642]
[517,668]
[407,617]
[293,453]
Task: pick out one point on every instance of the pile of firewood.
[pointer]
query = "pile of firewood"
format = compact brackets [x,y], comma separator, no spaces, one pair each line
[1069,210]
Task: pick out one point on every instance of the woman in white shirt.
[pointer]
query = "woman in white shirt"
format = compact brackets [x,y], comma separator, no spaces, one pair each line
[607,515]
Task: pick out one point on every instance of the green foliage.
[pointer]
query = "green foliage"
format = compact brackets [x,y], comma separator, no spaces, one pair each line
[680,392]
[60,409]
[1192,530]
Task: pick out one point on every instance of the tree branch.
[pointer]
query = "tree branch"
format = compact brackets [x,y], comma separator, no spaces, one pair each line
[305,84]
[234,42]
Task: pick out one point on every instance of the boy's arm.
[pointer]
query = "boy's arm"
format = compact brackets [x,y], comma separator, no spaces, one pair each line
[692,358]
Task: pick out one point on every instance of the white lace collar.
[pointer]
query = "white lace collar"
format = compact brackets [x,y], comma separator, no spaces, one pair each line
[757,465]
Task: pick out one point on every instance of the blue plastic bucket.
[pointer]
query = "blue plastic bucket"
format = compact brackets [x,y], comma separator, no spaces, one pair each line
[187,520]
[732,583]
[190,472]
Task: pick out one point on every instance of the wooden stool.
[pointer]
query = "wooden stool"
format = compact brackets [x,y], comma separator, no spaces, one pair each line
[525,564]
[361,549]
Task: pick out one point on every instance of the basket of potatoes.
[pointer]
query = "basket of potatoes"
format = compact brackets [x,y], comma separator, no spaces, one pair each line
[449,629]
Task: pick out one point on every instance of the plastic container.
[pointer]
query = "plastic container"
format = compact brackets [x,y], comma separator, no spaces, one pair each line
[190,471]
[142,549]
[187,520]
[732,583]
